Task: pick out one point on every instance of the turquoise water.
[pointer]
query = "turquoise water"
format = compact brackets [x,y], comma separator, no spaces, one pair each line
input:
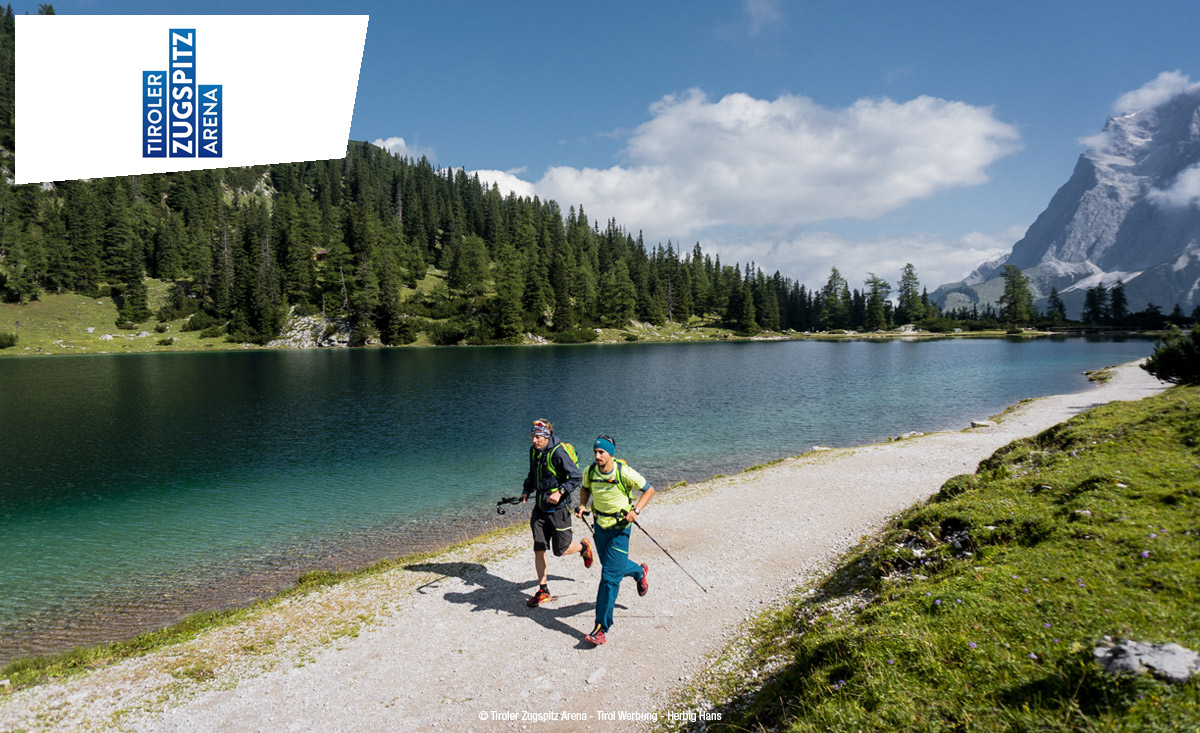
[135,489]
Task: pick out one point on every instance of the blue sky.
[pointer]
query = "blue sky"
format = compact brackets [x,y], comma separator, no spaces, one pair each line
[800,135]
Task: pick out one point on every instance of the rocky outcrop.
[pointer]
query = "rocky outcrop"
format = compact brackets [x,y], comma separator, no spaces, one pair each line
[313,332]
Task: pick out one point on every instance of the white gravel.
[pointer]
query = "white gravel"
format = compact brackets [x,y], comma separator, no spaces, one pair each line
[448,644]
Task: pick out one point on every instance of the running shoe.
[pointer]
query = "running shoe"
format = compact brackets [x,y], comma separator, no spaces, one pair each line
[586,553]
[644,581]
[538,598]
[596,638]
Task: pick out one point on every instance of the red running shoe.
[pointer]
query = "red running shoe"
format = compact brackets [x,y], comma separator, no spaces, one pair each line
[586,553]
[538,598]
[644,583]
[596,638]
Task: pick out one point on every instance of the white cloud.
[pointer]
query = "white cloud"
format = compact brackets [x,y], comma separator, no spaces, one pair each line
[809,257]
[1185,191]
[507,181]
[783,164]
[1164,87]
[397,146]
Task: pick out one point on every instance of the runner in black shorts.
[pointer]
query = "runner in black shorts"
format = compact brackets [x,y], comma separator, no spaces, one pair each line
[553,475]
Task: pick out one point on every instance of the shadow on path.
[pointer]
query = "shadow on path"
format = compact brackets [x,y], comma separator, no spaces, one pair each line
[498,594]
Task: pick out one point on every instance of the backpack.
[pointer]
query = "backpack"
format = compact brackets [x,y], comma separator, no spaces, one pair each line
[616,479]
[570,449]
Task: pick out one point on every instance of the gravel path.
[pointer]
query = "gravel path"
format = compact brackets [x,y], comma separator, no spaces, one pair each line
[448,644]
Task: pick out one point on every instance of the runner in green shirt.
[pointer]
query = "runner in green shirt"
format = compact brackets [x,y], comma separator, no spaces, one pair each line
[609,484]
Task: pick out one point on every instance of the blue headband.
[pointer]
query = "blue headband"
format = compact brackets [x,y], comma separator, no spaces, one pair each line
[606,445]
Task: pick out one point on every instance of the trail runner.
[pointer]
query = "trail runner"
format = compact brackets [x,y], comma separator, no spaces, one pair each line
[553,475]
[609,484]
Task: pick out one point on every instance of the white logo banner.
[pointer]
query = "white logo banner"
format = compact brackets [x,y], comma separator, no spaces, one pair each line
[100,96]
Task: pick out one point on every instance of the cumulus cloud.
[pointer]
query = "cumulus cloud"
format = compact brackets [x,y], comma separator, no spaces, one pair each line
[1185,191]
[697,164]
[1164,87]
[507,181]
[397,146]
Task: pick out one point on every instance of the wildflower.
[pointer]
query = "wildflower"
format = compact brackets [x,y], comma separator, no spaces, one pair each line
[891,661]
[938,602]
[1045,626]
[1032,655]
[1145,553]
[958,600]
[972,645]
[1152,535]
[1026,590]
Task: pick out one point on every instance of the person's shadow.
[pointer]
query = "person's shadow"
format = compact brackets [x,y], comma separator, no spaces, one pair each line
[497,594]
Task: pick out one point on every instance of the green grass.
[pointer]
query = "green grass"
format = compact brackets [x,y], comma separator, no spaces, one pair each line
[56,324]
[1089,529]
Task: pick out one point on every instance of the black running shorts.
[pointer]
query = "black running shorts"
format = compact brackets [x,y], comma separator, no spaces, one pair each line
[551,530]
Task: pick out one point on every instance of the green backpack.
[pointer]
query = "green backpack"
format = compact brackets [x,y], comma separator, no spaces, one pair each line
[570,449]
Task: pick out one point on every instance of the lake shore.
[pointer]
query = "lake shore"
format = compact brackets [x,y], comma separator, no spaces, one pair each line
[72,324]
[448,641]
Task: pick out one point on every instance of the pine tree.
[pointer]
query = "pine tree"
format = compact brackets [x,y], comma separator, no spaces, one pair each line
[468,272]
[1055,310]
[1095,304]
[909,308]
[877,292]
[1016,304]
[835,305]
[1118,306]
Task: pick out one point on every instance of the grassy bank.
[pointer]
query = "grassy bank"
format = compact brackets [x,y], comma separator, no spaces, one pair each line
[980,609]
[59,323]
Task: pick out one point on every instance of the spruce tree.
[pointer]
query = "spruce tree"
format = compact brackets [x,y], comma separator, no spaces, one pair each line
[1016,304]
[877,292]
[1055,310]
[1118,306]
[909,308]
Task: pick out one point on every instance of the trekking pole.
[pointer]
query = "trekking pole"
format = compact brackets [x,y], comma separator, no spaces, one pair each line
[507,500]
[583,516]
[685,572]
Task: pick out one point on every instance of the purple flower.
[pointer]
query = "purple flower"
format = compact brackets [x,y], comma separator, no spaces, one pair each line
[1145,553]
[891,661]
[938,602]
[1026,590]
[1045,626]
[1152,535]
[972,645]
[1032,655]
[958,600]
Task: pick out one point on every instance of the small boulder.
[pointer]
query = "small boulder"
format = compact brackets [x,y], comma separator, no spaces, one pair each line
[1168,662]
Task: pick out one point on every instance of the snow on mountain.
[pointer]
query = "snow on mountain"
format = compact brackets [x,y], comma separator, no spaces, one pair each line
[1130,211]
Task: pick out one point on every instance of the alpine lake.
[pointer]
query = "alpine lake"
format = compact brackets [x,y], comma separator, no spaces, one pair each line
[136,489]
